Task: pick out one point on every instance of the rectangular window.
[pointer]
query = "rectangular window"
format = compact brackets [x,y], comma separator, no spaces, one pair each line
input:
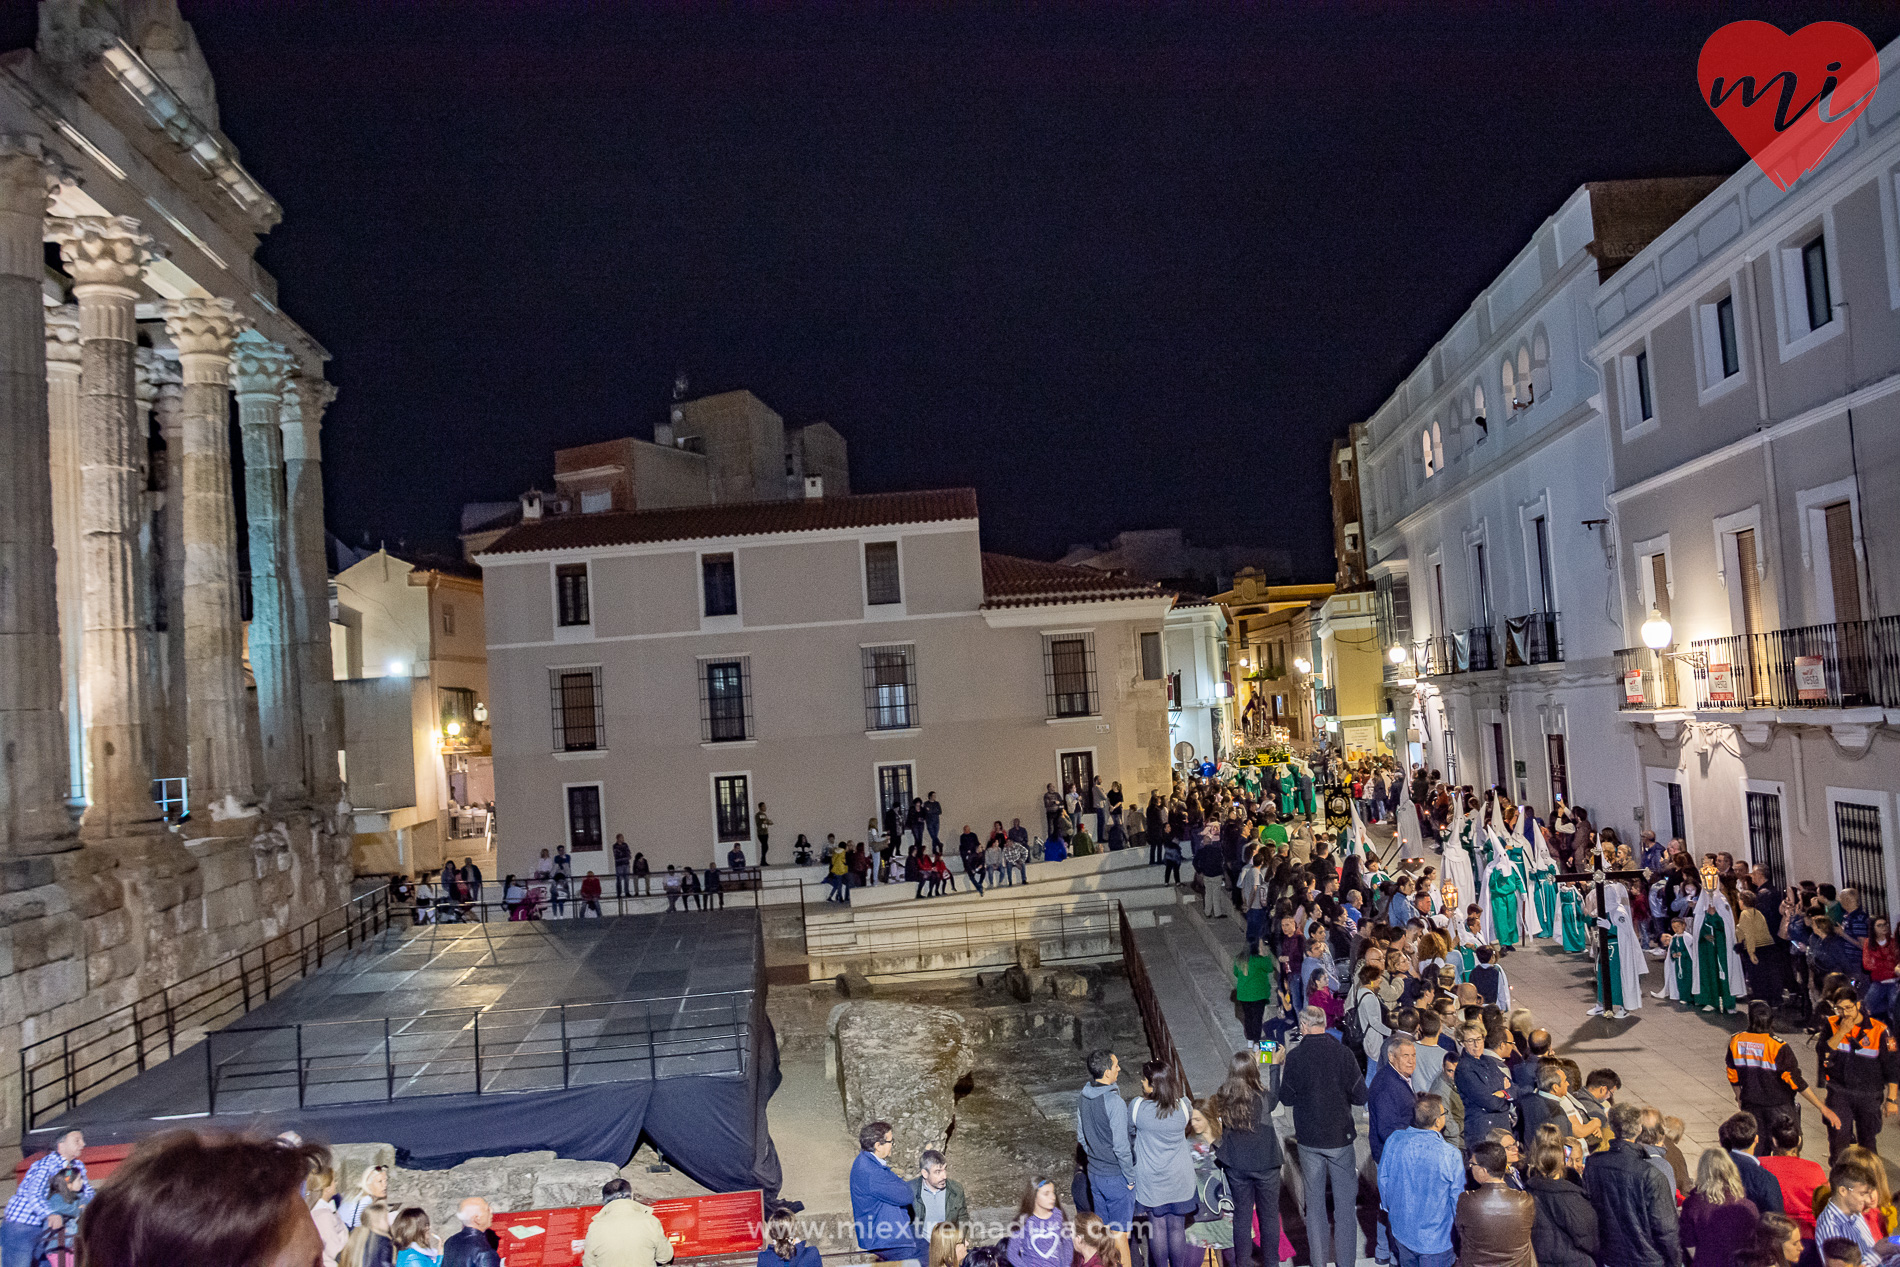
[1451,757]
[725,700]
[1645,405]
[1501,770]
[448,618]
[1151,657]
[1764,836]
[1659,583]
[458,706]
[593,501]
[577,710]
[1174,691]
[570,584]
[1678,817]
[881,582]
[1725,336]
[895,788]
[890,687]
[1069,669]
[721,584]
[1547,598]
[732,807]
[583,818]
[1750,578]
[1857,840]
[1814,274]
[1481,577]
[1842,568]
[1559,767]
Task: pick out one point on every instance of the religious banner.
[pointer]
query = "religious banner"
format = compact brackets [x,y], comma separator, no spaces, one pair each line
[1633,686]
[1721,684]
[1810,677]
[722,1223]
[1339,810]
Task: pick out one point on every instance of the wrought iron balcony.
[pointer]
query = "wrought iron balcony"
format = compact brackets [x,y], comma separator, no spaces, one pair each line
[1533,639]
[1654,683]
[1854,665]
[1466,651]
[1326,701]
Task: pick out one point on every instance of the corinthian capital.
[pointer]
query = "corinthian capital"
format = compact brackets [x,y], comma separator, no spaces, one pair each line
[62,335]
[102,250]
[259,366]
[156,369]
[30,173]
[203,327]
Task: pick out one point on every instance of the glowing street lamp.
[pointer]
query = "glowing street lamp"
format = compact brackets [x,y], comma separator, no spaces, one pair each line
[1396,654]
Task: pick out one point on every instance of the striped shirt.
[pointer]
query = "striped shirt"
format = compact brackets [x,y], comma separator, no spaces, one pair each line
[29,1204]
[1836,1222]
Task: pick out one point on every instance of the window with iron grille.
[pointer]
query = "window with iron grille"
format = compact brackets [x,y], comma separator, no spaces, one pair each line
[725,700]
[458,705]
[1151,657]
[570,587]
[583,818]
[1764,836]
[1857,838]
[732,807]
[1174,691]
[890,687]
[882,584]
[721,580]
[579,724]
[1069,670]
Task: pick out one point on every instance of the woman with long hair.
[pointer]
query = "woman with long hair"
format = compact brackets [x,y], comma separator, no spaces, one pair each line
[1095,1244]
[1718,1220]
[409,1233]
[947,1246]
[319,1192]
[369,1244]
[371,1186]
[1249,1152]
[1564,1233]
[784,1247]
[1040,1236]
[1164,1165]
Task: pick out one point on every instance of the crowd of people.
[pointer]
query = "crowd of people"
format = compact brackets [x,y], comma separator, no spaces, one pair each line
[190,1197]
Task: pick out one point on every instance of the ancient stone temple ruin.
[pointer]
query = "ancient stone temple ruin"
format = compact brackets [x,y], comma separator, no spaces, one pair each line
[169,786]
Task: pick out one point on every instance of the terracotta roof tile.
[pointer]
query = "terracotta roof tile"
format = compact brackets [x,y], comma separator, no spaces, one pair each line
[739,519]
[1012,582]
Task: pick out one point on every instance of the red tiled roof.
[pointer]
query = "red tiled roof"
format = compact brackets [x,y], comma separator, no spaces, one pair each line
[1012,582]
[739,519]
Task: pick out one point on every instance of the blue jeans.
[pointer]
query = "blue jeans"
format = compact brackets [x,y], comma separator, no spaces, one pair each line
[1879,1000]
[1317,1167]
[1017,868]
[1114,1199]
[1412,1258]
[19,1243]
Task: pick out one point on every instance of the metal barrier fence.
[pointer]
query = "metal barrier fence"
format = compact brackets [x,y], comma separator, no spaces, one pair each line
[1073,931]
[1160,1041]
[460,1051]
[59,1072]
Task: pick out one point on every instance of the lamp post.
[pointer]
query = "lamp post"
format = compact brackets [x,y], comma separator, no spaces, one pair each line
[1659,635]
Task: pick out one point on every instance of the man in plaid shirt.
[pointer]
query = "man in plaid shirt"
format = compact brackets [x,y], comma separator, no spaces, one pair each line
[27,1218]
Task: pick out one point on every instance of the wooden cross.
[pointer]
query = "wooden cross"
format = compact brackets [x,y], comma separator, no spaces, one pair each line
[1600,876]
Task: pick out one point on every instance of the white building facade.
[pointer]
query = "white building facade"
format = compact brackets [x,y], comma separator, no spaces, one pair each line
[1483,484]
[1200,698]
[1751,362]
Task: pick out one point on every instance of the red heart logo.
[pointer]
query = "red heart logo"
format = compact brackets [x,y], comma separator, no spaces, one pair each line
[1788,98]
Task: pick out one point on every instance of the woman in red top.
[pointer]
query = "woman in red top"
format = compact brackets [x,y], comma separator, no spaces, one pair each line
[1877,956]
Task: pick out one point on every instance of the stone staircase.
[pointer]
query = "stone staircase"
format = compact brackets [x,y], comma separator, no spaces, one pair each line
[1067,909]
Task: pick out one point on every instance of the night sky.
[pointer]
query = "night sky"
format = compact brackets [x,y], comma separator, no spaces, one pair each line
[1113,268]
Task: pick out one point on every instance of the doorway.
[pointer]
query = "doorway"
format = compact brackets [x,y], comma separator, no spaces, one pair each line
[896,782]
[1078,772]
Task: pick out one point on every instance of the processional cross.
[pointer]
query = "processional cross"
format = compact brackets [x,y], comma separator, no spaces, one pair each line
[1599,875]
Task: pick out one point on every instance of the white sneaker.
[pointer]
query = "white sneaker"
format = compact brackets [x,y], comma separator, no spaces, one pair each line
[1659,952]
[1595,1011]
[1657,994]
[1620,1014]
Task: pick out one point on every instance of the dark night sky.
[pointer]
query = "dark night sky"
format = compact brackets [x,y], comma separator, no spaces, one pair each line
[1114,268]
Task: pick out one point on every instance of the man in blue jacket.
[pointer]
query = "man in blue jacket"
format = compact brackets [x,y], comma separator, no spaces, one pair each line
[1101,1127]
[1389,1110]
[880,1201]
[1484,1083]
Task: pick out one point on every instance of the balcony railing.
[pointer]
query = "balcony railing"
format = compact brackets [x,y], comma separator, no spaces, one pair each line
[1477,650]
[1326,700]
[1654,685]
[1466,651]
[1533,639]
[1854,665]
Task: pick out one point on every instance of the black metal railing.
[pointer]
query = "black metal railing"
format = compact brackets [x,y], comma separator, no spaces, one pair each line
[61,1071]
[1853,665]
[1533,639]
[1153,1019]
[1434,656]
[1326,700]
[461,1051]
[1065,936]
[1654,683]
[1476,650]
[745,887]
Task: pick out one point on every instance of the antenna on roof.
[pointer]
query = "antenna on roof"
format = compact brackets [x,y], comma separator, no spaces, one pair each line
[679,385]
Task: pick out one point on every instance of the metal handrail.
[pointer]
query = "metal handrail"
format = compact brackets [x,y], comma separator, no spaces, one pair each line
[490,1035]
[60,1071]
[1153,1020]
[495,910]
[972,930]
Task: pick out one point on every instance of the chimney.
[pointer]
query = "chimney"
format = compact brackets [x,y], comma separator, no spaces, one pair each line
[531,505]
[814,486]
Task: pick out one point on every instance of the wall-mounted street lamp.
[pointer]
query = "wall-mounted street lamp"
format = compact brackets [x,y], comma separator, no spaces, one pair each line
[1302,664]
[1659,635]
[1396,654]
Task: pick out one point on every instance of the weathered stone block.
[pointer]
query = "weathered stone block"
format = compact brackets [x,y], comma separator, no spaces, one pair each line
[559,1184]
[51,984]
[103,932]
[901,1063]
[43,941]
[17,874]
[855,985]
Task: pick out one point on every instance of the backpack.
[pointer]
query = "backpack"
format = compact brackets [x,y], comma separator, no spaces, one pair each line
[1352,1030]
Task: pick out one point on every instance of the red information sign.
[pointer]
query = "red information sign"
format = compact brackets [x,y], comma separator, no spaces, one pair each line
[1721,684]
[723,1223]
[1633,686]
[1810,676]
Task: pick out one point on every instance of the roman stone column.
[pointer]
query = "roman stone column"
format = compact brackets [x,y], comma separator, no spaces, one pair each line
[62,415]
[215,705]
[168,408]
[305,399]
[105,256]
[259,368]
[33,764]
